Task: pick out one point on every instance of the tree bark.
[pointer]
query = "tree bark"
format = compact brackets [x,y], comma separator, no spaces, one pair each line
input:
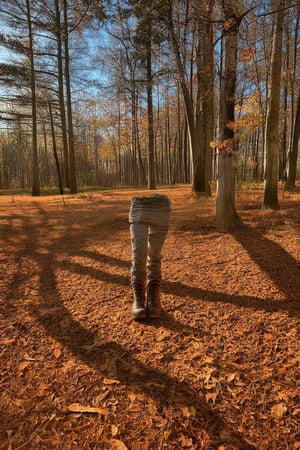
[35,165]
[60,184]
[293,153]
[205,101]
[270,196]
[226,214]
[151,159]
[61,95]
[72,160]
[194,132]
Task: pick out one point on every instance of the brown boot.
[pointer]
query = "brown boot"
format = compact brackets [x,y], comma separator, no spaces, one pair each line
[139,299]
[153,299]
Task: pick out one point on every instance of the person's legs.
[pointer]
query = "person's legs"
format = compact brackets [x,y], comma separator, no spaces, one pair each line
[156,239]
[149,213]
[139,242]
[157,235]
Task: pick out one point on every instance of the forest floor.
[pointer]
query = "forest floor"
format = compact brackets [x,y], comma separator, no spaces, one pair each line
[217,371]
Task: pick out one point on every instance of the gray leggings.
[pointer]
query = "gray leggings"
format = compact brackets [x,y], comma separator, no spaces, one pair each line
[149,223]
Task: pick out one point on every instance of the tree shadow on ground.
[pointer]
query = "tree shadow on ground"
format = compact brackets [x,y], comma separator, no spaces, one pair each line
[277,263]
[154,383]
[114,361]
[59,323]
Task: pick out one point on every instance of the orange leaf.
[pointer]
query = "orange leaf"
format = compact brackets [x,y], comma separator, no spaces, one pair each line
[22,366]
[279,410]
[110,381]
[77,408]
[115,444]
[57,353]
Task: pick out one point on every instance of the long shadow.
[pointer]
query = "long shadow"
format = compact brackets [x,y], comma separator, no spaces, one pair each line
[270,256]
[182,290]
[277,263]
[101,257]
[164,389]
[246,301]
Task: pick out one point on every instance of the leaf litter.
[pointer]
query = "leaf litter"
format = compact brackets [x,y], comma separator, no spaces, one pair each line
[218,371]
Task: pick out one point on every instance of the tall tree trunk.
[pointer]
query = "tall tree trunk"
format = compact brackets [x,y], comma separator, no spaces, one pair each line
[151,158]
[47,170]
[293,153]
[193,131]
[61,94]
[60,184]
[205,101]
[72,160]
[270,196]
[284,142]
[35,165]
[226,215]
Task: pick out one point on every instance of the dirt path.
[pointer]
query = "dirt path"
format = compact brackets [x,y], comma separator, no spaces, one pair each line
[218,371]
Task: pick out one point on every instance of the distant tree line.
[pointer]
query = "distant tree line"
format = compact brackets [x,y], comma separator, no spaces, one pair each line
[115,92]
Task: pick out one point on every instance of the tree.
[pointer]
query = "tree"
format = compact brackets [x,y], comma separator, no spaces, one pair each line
[72,160]
[293,153]
[272,142]
[23,11]
[58,33]
[145,34]
[226,214]
[205,97]
[295,128]
[35,164]
[199,113]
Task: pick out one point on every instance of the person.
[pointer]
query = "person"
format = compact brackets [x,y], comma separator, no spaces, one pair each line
[149,218]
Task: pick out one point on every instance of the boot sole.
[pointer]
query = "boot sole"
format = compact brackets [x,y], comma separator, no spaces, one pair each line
[154,314]
[139,315]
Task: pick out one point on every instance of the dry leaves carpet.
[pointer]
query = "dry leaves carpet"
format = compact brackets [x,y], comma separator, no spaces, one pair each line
[218,371]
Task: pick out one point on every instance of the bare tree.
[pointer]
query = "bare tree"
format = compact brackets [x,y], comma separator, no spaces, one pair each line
[226,214]
[293,153]
[35,165]
[272,142]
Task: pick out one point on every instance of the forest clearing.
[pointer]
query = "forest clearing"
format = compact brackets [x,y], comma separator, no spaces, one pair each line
[217,371]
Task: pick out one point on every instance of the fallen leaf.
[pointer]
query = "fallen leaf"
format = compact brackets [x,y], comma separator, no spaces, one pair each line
[132,397]
[283,396]
[98,342]
[68,365]
[207,360]
[57,353]
[102,396]
[231,377]
[185,411]
[26,357]
[207,374]
[152,407]
[240,366]
[110,381]
[7,341]
[211,396]
[114,430]
[163,335]
[186,442]
[193,411]
[115,444]
[278,410]
[22,366]
[160,421]
[77,408]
